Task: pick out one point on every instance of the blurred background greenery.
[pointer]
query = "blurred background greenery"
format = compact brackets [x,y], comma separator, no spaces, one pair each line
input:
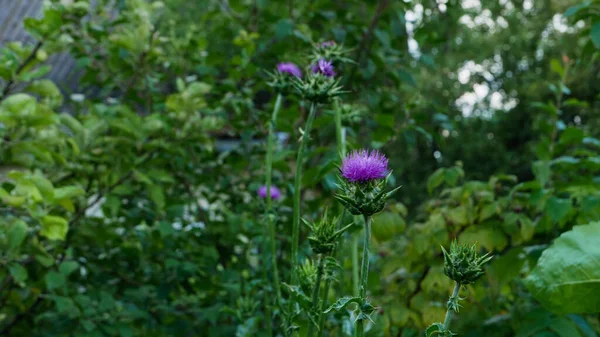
[128,201]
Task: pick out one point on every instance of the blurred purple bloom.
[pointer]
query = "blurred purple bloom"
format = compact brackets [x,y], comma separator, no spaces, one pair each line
[364,166]
[327,44]
[323,67]
[275,192]
[290,68]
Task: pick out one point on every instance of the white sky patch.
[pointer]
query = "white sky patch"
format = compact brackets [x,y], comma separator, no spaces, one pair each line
[413,19]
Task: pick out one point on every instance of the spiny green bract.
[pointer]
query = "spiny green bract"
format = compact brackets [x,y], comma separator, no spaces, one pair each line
[364,198]
[324,234]
[462,264]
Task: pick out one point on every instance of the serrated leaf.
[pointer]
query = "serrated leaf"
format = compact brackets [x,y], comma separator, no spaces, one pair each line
[342,302]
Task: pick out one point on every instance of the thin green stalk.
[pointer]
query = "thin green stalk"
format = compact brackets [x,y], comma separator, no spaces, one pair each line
[270,228]
[268,311]
[270,217]
[297,193]
[364,272]
[340,131]
[355,273]
[450,312]
[341,147]
[315,295]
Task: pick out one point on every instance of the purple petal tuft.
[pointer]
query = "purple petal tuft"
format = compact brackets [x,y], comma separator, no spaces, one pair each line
[289,68]
[364,165]
[324,68]
[275,192]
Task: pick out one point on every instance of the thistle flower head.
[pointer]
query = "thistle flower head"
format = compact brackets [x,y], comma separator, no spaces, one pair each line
[327,44]
[364,166]
[324,68]
[364,177]
[289,68]
[275,192]
[462,264]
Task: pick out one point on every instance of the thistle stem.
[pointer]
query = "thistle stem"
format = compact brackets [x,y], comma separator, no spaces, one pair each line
[297,193]
[355,273]
[341,147]
[270,217]
[315,295]
[450,311]
[364,272]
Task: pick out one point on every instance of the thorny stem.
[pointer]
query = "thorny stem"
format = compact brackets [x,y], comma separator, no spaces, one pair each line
[298,192]
[315,295]
[364,271]
[271,219]
[341,147]
[450,310]
[270,233]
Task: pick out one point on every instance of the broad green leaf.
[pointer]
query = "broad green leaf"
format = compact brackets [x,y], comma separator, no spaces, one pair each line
[54,227]
[387,225]
[68,192]
[567,275]
[157,195]
[44,186]
[54,280]
[557,208]
[18,272]
[15,235]
[435,180]
[68,267]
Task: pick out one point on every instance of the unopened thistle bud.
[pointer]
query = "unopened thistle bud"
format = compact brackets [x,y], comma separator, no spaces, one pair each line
[320,86]
[308,276]
[463,265]
[282,80]
[330,50]
[364,177]
[324,234]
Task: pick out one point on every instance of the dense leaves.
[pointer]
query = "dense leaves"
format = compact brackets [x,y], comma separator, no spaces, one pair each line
[127,201]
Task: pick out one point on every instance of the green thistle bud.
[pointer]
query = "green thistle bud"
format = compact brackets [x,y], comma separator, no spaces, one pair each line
[324,234]
[364,198]
[281,82]
[329,50]
[319,88]
[308,276]
[462,264]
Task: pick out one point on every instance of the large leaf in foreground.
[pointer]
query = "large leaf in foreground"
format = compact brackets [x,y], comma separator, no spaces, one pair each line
[567,276]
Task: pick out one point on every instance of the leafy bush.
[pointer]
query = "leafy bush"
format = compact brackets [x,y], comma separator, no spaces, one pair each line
[129,206]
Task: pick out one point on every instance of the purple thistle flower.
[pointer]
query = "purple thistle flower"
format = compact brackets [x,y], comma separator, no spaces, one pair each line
[289,68]
[324,68]
[275,192]
[327,44]
[364,166]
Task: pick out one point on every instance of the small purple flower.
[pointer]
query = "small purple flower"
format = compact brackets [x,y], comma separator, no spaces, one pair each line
[364,166]
[290,68]
[327,44]
[324,68]
[275,192]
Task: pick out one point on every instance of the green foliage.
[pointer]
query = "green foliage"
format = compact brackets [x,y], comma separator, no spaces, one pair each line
[127,202]
[566,275]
